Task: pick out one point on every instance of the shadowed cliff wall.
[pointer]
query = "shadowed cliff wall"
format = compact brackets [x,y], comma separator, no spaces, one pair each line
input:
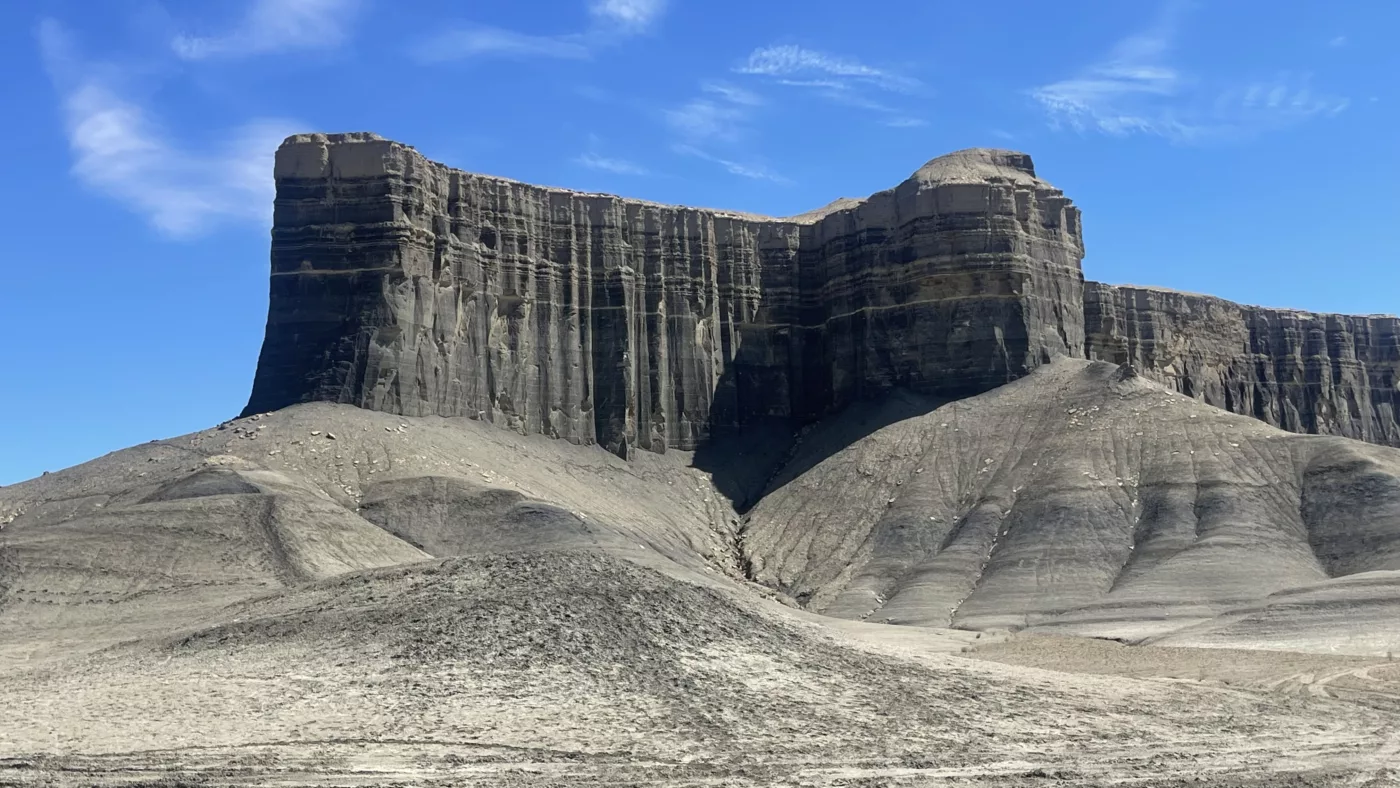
[401,285]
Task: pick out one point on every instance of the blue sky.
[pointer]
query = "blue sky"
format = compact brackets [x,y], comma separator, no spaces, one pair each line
[1245,149]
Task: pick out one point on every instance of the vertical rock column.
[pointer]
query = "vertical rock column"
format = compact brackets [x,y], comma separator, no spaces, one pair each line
[1300,371]
[404,286]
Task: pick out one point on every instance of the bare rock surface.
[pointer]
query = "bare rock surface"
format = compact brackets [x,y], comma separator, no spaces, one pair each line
[1301,371]
[404,286]
[876,413]
[144,538]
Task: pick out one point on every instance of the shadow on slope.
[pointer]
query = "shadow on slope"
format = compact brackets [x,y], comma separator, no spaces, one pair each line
[147,538]
[1080,497]
[447,516]
[745,463]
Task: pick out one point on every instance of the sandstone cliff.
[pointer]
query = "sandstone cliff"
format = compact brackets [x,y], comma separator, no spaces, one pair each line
[401,285]
[1304,372]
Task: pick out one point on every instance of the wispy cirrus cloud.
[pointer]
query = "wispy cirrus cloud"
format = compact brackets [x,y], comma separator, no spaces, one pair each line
[611,22]
[634,15]
[750,170]
[276,26]
[720,117]
[615,166]
[719,114]
[119,150]
[1137,88]
[493,41]
[835,78]
[707,120]
[733,94]
[800,65]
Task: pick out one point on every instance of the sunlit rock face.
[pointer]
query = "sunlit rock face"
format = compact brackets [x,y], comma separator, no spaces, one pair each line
[401,285]
[1304,372]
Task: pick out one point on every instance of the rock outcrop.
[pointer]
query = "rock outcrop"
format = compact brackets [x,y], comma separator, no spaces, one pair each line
[401,285]
[1304,372]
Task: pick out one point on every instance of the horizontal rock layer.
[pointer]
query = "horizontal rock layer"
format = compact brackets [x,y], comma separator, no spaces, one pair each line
[1304,372]
[401,285]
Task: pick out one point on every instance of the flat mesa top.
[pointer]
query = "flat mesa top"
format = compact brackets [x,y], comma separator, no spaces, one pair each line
[969,166]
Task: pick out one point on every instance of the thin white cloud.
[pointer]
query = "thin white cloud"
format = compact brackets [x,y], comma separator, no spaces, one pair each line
[720,116]
[276,26]
[847,95]
[733,93]
[491,41]
[797,64]
[1137,89]
[1336,42]
[1285,99]
[751,171]
[834,78]
[705,120]
[629,14]
[905,123]
[612,21]
[121,152]
[616,166]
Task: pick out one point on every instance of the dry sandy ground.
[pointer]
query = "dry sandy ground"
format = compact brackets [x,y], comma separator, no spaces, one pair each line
[328,596]
[575,667]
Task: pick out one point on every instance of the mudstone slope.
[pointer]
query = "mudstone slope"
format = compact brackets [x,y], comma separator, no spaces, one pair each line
[399,284]
[579,619]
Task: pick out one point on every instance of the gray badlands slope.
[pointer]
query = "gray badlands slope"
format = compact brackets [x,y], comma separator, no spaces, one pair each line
[1084,499]
[155,534]
[252,601]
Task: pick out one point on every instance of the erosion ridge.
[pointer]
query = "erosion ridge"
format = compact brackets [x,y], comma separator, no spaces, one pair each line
[401,285]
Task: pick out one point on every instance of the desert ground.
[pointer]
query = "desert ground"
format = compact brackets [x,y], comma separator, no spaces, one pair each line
[330,596]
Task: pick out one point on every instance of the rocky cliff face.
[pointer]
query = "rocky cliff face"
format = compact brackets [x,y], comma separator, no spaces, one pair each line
[401,285]
[1304,372]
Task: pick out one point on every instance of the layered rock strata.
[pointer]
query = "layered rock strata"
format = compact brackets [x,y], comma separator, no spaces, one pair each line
[401,285]
[1303,372]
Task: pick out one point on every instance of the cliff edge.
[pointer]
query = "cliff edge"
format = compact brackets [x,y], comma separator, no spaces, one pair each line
[401,285]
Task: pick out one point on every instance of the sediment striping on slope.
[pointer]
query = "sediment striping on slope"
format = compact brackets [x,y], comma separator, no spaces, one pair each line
[401,285]
[1084,499]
